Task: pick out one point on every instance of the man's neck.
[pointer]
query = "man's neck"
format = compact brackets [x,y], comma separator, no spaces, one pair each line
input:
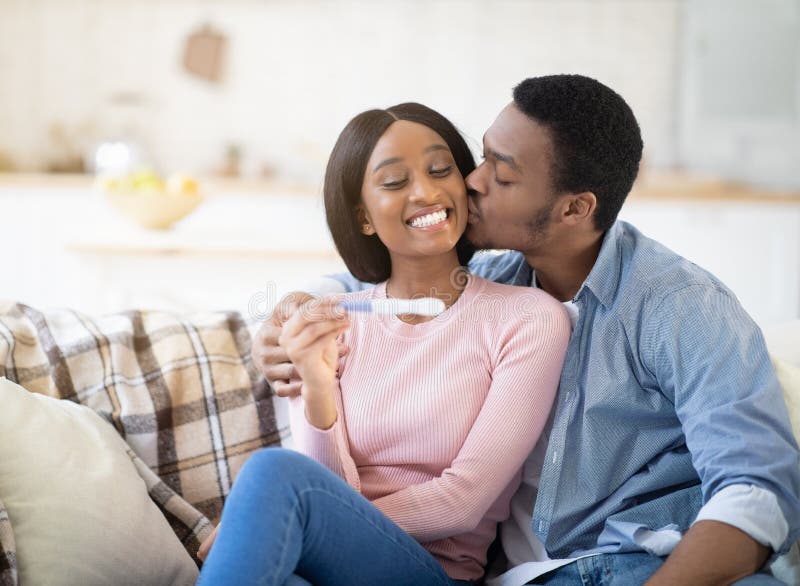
[562,269]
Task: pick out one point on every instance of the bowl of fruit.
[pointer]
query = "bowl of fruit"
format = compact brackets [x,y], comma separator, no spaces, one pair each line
[150,200]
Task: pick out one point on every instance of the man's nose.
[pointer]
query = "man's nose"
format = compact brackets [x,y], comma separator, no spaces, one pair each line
[474,181]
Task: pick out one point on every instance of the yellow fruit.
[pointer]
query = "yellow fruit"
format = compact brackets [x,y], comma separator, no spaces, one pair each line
[107,183]
[182,184]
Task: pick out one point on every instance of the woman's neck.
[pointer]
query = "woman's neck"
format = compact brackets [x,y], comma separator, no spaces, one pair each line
[439,277]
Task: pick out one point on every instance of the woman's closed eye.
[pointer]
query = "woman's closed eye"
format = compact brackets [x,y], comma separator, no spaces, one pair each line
[441,171]
[394,182]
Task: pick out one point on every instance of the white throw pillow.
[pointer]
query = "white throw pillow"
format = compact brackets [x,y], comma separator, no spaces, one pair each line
[787,568]
[783,341]
[80,512]
[789,378]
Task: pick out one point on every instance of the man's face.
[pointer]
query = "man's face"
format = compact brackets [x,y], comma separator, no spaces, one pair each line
[512,201]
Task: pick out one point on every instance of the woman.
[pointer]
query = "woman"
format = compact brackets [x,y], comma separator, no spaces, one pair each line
[418,434]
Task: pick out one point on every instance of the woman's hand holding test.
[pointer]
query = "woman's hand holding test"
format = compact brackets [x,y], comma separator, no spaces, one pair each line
[309,339]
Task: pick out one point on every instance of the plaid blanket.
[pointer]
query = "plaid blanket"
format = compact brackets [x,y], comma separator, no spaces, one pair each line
[181,390]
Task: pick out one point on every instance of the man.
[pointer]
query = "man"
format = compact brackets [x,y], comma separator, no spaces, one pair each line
[670,458]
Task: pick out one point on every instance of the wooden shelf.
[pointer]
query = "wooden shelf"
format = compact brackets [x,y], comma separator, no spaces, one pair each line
[655,185]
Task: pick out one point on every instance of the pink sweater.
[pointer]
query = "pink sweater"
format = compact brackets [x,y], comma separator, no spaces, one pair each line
[436,419]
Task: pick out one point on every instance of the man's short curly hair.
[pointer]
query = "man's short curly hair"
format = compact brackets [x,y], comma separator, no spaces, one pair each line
[596,139]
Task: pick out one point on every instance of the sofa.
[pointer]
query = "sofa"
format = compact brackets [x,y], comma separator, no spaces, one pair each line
[121,435]
[151,407]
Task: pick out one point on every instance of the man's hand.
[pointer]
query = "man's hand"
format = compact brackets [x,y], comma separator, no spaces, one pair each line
[711,553]
[205,547]
[269,357]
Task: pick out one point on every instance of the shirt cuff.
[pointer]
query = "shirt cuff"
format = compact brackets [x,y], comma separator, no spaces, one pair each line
[750,508]
[321,443]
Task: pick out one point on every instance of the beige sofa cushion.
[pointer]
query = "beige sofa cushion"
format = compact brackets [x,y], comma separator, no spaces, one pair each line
[80,511]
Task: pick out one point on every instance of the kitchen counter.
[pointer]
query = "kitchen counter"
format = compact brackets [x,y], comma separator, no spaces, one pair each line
[242,248]
[250,242]
[208,185]
[670,186]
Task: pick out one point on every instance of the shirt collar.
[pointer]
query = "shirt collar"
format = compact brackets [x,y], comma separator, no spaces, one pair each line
[603,279]
[524,274]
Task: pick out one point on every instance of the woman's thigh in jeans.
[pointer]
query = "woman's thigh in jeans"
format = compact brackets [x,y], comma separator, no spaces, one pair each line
[288,515]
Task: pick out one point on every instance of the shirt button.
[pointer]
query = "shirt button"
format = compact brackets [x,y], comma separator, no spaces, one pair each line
[555,457]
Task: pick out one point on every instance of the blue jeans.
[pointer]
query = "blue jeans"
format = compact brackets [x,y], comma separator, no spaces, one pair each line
[623,569]
[290,521]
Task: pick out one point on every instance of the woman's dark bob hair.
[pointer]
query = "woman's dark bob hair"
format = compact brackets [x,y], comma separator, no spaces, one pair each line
[366,256]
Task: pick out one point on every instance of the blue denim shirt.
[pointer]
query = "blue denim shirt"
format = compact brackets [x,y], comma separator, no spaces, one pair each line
[667,396]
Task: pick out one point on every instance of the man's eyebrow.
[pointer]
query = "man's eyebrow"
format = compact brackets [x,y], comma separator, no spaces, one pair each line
[507,159]
[430,149]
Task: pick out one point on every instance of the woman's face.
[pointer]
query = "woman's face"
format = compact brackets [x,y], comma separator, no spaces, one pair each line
[413,195]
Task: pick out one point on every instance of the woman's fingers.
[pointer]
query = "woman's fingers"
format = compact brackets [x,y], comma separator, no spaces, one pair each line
[308,334]
[312,319]
[288,305]
[205,547]
[272,358]
[320,310]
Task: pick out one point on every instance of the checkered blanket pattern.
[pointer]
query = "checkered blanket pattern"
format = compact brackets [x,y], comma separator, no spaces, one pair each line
[8,550]
[181,390]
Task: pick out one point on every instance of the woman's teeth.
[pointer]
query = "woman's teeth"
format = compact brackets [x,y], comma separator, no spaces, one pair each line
[429,219]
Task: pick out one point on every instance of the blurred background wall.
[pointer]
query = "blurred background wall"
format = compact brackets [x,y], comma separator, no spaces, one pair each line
[256,91]
[713,82]
[295,71]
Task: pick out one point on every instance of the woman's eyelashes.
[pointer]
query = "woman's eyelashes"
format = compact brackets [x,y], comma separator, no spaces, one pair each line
[399,182]
[394,183]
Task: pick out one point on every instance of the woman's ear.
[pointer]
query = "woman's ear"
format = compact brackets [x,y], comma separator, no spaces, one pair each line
[364,222]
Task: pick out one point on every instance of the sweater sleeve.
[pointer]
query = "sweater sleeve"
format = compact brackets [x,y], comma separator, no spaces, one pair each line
[329,447]
[525,376]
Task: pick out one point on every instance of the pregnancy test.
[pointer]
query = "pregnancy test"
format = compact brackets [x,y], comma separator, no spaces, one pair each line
[427,306]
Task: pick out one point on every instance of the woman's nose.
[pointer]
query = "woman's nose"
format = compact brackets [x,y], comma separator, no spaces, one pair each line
[425,190]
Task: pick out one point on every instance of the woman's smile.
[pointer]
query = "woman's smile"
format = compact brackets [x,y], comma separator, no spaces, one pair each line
[431,219]
[411,176]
